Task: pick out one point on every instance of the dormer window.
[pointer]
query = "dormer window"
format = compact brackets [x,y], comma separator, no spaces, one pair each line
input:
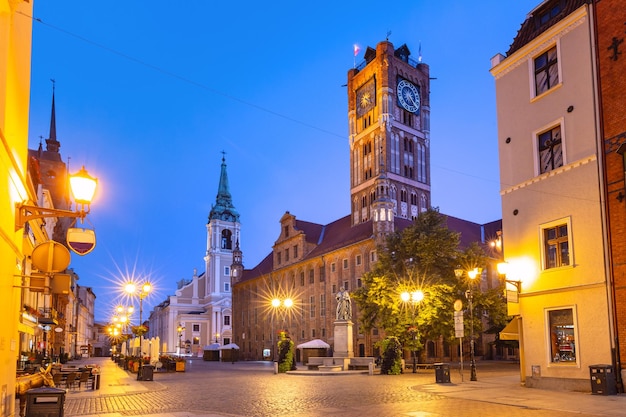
[402,53]
[547,15]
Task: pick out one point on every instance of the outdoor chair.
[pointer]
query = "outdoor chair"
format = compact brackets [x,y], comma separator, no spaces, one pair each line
[70,381]
[57,379]
[85,378]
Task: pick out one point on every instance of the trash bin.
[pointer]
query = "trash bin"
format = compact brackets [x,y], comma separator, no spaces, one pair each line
[45,402]
[442,372]
[602,380]
[147,373]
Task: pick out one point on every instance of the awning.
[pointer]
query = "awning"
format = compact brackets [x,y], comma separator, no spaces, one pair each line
[212,346]
[314,344]
[510,331]
[22,328]
[229,346]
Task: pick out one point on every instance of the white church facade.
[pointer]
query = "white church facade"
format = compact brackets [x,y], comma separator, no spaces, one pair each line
[200,311]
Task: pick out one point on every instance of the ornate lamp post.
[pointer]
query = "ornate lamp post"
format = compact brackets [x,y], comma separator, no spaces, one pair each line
[278,304]
[472,274]
[83,188]
[180,329]
[121,320]
[413,298]
[114,334]
[142,292]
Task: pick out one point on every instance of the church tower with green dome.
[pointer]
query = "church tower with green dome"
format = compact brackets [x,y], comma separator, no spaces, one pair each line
[223,237]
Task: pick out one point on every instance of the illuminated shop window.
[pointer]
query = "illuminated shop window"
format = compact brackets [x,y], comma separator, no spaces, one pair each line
[562,336]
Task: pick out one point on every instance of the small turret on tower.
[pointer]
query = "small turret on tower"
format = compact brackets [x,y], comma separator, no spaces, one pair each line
[382,206]
[236,269]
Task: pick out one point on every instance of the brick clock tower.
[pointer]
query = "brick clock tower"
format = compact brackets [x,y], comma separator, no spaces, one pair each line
[389,119]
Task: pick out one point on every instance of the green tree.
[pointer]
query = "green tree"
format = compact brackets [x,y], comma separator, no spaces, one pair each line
[491,301]
[423,256]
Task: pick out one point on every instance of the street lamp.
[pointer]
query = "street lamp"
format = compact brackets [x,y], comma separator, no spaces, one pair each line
[413,297]
[472,274]
[121,319]
[511,296]
[277,304]
[83,188]
[180,329]
[142,292]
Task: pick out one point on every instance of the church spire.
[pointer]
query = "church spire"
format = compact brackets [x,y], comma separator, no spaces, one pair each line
[52,144]
[223,208]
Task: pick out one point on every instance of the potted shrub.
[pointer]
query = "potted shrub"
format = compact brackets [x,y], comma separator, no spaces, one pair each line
[286,350]
[392,357]
[180,364]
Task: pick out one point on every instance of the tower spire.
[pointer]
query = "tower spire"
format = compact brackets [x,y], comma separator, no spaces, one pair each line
[52,144]
[224,208]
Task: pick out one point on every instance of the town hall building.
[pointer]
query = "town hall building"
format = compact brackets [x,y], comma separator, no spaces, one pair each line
[293,288]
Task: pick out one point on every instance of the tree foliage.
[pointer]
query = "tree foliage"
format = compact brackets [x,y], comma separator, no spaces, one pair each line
[424,257]
[286,350]
[392,357]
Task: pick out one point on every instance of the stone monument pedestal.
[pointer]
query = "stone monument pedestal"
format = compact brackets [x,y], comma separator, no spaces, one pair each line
[343,340]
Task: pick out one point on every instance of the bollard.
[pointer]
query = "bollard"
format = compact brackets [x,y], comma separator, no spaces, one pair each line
[275,368]
[371,368]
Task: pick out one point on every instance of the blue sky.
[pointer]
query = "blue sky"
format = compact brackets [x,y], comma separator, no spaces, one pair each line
[147,98]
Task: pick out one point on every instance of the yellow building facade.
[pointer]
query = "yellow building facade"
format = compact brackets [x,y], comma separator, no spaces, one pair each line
[552,209]
[15,62]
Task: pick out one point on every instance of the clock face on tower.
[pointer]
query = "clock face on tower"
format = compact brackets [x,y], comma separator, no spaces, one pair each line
[408,96]
[365,97]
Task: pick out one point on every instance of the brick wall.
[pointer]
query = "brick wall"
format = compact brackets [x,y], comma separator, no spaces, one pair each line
[611,25]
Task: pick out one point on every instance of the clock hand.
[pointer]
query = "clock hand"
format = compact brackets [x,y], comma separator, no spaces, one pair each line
[410,98]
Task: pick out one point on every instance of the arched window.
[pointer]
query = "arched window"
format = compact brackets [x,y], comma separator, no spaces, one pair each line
[227,239]
[421,163]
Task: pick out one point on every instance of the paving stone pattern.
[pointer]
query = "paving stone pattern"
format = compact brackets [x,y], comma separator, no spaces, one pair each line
[246,389]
